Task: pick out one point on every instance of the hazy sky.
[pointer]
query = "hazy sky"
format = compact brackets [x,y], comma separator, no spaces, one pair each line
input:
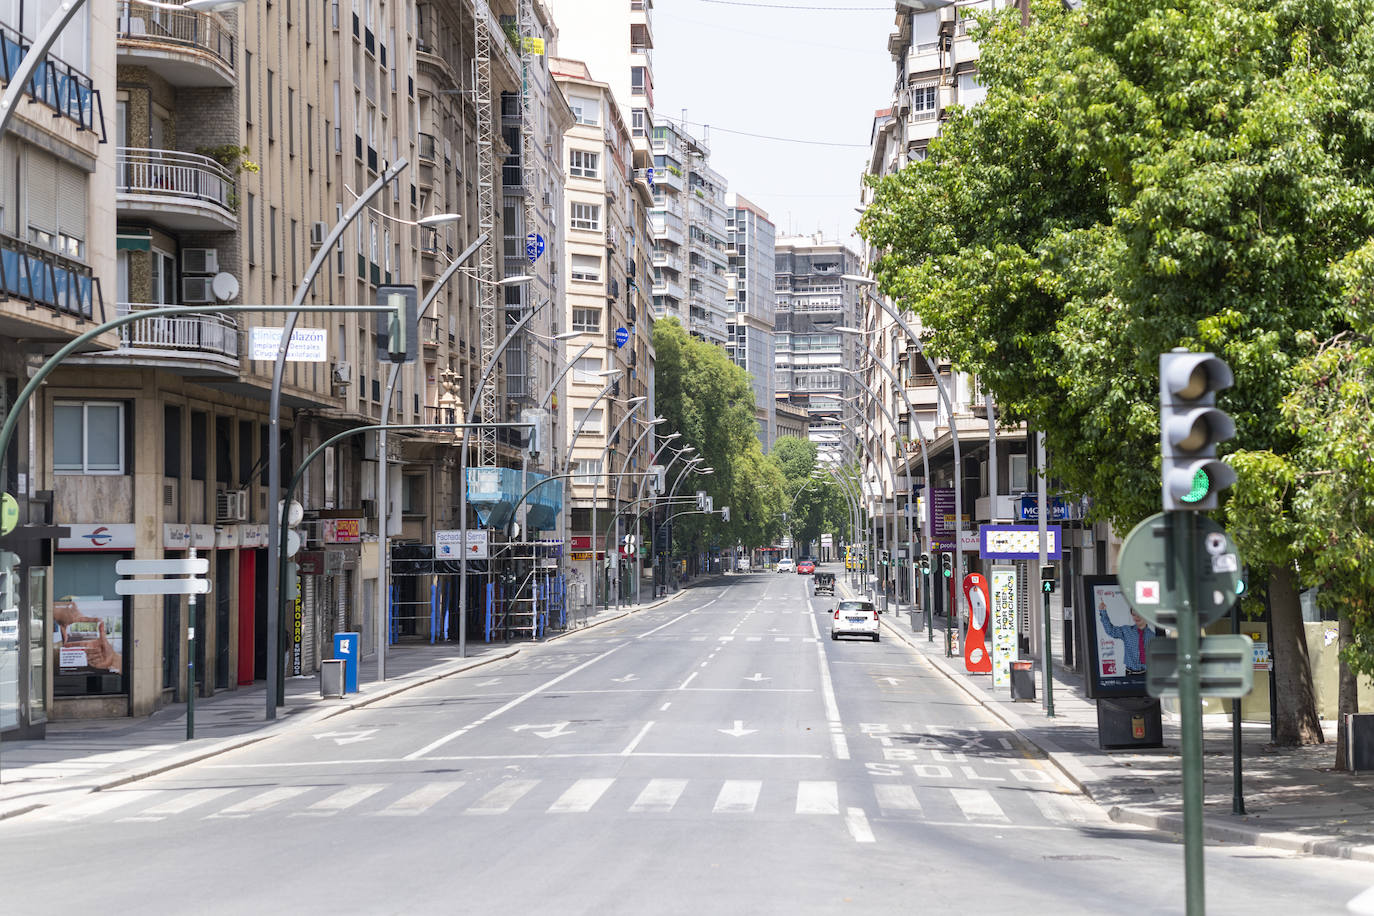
[802,70]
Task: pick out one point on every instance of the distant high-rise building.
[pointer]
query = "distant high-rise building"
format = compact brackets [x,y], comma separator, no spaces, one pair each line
[812,301]
[749,286]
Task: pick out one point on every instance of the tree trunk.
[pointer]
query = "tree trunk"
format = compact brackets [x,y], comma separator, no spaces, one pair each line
[1347,694]
[1297,719]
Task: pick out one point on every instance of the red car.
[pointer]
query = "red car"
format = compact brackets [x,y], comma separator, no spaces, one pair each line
[805,568]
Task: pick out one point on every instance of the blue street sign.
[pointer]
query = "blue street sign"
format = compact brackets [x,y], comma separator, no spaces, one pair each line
[534,246]
[622,337]
[649,174]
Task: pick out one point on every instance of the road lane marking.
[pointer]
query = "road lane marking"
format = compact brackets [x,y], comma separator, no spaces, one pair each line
[857,822]
[421,800]
[500,799]
[687,613]
[511,705]
[659,796]
[664,707]
[99,804]
[179,804]
[738,796]
[341,800]
[580,796]
[689,680]
[896,798]
[832,709]
[978,804]
[630,748]
[818,797]
[262,801]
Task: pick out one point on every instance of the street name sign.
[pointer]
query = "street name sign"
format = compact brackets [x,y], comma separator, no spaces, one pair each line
[1226,666]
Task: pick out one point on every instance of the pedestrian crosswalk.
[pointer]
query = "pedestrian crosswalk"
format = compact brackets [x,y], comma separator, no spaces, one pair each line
[855,802]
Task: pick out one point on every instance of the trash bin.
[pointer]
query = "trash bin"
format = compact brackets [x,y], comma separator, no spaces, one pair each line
[1359,741]
[332,677]
[880,603]
[1022,679]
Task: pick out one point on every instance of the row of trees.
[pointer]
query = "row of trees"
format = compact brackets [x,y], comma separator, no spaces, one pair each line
[1147,174]
[709,400]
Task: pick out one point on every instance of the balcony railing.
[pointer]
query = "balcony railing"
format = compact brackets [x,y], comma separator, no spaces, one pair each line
[45,278]
[59,85]
[427,147]
[183,27]
[190,334]
[164,173]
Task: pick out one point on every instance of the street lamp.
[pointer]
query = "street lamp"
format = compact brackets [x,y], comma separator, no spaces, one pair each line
[915,339]
[629,454]
[631,406]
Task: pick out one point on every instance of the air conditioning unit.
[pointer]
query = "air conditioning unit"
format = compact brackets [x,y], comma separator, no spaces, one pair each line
[171,494]
[318,230]
[343,374]
[196,289]
[947,98]
[200,260]
[231,505]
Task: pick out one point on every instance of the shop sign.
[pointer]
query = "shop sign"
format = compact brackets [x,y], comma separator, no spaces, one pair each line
[252,536]
[308,345]
[447,543]
[297,632]
[342,530]
[226,537]
[310,562]
[580,556]
[203,537]
[1017,542]
[1003,599]
[477,544]
[176,537]
[98,537]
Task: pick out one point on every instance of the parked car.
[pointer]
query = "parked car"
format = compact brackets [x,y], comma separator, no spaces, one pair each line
[787,564]
[742,564]
[855,618]
[805,568]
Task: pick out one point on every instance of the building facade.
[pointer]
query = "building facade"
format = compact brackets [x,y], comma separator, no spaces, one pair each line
[812,301]
[750,237]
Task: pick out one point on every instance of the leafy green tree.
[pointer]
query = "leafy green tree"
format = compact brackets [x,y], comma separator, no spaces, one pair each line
[1146,174]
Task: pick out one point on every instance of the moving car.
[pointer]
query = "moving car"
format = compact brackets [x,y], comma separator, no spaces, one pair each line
[787,564]
[824,583]
[855,618]
[742,564]
[805,568]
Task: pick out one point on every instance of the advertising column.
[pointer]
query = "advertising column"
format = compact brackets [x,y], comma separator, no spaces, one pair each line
[90,621]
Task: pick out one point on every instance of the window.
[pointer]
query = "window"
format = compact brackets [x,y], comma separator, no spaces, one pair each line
[923,102]
[586,267]
[1017,470]
[637,81]
[586,216]
[56,194]
[586,319]
[588,469]
[582,164]
[587,369]
[593,425]
[272,240]
[585,111]
[248,86]
[291,120]
[252,233]
[88,437]
[638,118]
[271,105]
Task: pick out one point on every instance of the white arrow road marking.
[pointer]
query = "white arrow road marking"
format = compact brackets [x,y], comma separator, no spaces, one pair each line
[552,730]
[738,731]
[348,737]
[891,680]
[489,682]
[758,676]
[625,680]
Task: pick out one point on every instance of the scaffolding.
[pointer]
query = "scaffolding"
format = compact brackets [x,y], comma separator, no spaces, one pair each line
[531,599]
[488,303]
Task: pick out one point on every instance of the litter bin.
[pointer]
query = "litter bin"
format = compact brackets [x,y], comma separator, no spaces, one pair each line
[1359,742]
[880,603]
[332,677]
[1022,679]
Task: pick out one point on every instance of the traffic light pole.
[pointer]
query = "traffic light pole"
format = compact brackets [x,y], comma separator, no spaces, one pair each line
[1190,710]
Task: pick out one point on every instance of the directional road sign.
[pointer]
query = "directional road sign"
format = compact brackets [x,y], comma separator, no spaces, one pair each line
[191,586]
[198,566]
[1226,666]
[1156,592]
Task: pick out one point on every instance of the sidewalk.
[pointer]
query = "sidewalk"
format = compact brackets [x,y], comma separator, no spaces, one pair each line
[88,755]
[1293,798]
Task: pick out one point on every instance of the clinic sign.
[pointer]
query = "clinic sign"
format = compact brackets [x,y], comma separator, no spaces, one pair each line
[308,345]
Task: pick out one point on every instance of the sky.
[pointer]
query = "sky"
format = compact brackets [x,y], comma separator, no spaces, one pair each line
[801,70]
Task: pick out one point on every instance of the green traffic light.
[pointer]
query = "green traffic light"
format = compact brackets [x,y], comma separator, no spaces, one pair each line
[1202,485]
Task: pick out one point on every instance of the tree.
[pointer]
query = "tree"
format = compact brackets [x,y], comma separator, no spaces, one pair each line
[1147,174]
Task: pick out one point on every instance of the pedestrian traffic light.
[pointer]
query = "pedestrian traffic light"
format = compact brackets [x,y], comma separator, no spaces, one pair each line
[947,565]
[1190,426]
[1047,578]
[398,329]
[925,564]
[883,557]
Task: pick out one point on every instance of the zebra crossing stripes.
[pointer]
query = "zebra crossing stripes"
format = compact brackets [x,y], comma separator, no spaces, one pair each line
[894,797]
[179,804]
[660,795]
[818,798]
[262,802]
[421,800]
[581,796]
[500,799]
[978,804]
[738,796]
[342,800]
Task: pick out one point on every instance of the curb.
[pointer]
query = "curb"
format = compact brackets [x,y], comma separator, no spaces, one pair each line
[1167,822]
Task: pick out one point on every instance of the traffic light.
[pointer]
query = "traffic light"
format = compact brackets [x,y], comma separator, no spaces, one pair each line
[1047,579]
[947,565]
[1190,426]
[398,329]
[883,557]
[925,564]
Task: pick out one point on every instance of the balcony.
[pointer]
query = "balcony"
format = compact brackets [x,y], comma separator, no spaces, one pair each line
[44,278]
[185,48]
[182,191]
[58,85]
[427,151]
[202,340]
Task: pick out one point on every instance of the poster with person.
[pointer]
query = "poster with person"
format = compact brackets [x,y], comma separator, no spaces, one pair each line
[1117,640]
[88,635]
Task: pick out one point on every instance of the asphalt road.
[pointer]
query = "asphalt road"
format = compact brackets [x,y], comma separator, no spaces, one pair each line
[720,754]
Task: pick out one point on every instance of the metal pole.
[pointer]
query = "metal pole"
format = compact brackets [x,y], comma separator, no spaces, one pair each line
[1190,714]
[191,661]
[275,680]
[1042,522]
[1237,792]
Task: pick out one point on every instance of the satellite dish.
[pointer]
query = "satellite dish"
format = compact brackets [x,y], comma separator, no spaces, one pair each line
[225,286]
[294,513]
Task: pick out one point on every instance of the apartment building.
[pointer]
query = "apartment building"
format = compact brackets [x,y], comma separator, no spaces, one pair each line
[750,237]
[610,392]
[239,141]
[812,301]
